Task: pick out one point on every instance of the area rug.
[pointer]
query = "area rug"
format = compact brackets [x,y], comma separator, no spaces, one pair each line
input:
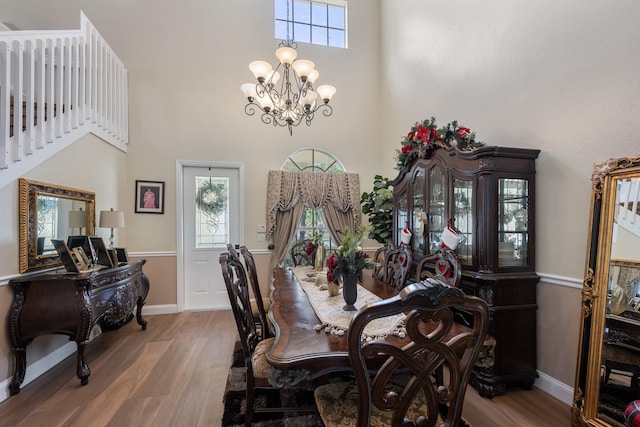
[235,402]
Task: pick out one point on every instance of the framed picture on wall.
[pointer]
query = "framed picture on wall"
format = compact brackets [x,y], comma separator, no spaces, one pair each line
[150,197]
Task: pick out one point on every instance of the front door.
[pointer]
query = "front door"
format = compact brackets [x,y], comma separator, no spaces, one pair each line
[211,219]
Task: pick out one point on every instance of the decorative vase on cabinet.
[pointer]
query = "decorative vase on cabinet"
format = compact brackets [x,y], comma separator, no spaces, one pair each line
[488,195]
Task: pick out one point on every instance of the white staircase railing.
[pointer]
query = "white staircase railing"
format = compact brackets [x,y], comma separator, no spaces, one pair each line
[55,87]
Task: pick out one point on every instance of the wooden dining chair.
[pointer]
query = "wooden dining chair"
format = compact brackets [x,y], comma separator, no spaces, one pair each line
[397,266]
[403,390]
[254,348]
[442,265]
[257,312]
[379,261]
[299,254]
[259,305]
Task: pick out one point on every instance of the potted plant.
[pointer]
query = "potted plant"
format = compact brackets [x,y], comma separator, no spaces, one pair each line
[378,204]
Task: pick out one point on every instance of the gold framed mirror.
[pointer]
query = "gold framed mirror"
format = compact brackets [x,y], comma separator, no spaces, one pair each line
[48,211]
[608,366]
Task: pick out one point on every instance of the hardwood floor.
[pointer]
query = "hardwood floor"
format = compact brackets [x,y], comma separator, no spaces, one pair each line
[174,374]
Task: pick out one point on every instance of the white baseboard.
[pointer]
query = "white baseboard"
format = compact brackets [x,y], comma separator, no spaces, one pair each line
[160,309]
[555,388]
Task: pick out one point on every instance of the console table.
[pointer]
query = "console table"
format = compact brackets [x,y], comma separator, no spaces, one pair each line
[72,304]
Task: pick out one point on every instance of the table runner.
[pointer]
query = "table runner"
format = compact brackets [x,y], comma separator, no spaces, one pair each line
[334,319]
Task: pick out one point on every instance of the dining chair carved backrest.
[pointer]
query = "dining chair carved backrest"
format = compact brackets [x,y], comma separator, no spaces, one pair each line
[299,254]
[397,266]
[379,261]
[254,348]
[442,265]
[255,308]
[259,305]
[404,388]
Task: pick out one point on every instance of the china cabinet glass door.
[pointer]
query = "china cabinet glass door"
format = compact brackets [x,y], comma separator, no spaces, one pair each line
[437,215]
[463,218]
[513,222]
[402,216]
[419,216]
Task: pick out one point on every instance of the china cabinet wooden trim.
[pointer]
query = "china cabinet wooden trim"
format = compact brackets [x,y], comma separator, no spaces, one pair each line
[489,193]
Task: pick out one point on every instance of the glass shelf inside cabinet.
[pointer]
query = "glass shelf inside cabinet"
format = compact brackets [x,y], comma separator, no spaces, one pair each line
[419,216]
[403,217]
[513,222]
[436,209]
[463,218]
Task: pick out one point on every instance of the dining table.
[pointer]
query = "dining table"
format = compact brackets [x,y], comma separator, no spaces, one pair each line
[304,347]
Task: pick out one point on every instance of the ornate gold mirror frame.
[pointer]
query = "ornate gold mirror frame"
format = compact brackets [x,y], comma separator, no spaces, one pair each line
[591,404]
[42,206]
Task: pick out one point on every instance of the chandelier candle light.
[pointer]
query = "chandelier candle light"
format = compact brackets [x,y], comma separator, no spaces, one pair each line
[285,95]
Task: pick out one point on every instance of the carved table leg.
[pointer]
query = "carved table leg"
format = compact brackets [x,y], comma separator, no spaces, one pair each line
[139,318]
[20,360]
[82,368]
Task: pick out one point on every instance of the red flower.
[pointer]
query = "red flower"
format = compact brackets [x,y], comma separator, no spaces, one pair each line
[309,248]
[332,264]
[462,132]
[407,149]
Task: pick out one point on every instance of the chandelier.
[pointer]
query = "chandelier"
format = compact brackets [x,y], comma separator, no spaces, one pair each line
[285,95]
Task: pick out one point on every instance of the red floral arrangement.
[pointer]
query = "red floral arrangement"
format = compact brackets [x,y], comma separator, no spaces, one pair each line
[349,258]
[425,136]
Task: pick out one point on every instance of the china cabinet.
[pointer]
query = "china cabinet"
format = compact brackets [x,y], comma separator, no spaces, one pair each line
[488,196]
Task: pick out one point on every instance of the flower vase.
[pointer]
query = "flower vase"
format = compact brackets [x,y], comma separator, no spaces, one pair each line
[350,291]
[333,289]
[319,259]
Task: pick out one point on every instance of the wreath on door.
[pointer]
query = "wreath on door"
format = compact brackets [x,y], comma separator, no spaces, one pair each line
[211,199]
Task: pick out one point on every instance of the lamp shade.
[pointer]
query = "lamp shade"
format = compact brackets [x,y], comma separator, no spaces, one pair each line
[111,219]
[77,219]
[326,92]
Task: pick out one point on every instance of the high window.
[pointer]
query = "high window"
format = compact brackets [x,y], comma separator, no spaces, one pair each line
[316,22]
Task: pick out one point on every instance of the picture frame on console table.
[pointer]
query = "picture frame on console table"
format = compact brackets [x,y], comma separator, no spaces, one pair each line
[102,254]
[150,197]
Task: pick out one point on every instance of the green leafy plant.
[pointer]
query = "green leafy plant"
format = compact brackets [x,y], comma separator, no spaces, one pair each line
[349,258]
[378,204]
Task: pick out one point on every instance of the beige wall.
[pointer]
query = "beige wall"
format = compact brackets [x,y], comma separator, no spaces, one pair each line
[527,74]
[532,75]
[89,164]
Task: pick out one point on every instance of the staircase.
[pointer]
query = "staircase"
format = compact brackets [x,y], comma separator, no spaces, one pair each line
[55,87]
[629,211]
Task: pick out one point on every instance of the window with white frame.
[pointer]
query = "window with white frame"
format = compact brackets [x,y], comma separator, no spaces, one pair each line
[307,21]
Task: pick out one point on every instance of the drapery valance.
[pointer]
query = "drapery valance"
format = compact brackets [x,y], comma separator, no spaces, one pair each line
[285,189]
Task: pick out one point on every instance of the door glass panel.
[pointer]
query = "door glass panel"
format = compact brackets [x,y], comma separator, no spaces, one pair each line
[212,212]
[419,216]
[463,218]
[513,222]
[437,214]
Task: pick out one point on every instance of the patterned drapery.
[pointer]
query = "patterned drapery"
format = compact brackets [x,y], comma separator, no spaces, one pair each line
[337,194]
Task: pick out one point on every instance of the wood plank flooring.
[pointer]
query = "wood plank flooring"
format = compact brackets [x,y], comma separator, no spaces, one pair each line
[174,374]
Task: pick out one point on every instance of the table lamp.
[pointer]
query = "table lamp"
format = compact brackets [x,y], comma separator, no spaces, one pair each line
[78,219]
[111,219]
